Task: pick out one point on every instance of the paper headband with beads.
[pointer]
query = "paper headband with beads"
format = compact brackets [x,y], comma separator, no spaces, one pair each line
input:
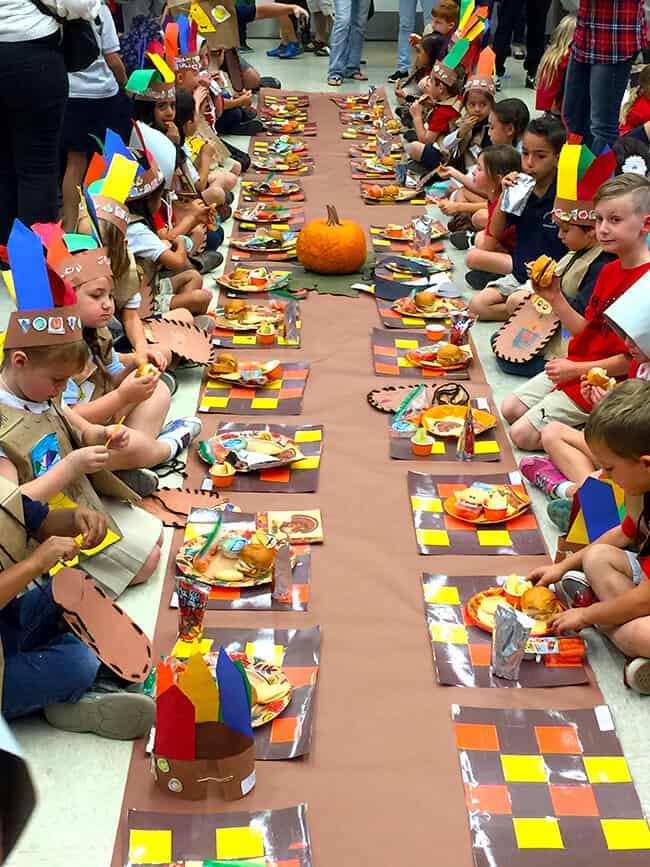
[181,44]
[152,85]
[579,175]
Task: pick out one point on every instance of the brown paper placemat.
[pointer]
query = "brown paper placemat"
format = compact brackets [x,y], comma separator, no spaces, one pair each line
[283,397]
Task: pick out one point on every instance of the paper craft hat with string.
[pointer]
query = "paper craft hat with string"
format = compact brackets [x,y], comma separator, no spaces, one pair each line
[483,76]
[106,187]
[37,322]
[629,315]
[155,84]
[86,262]
[181,44]
[471,27]
[148,177]
[579,175]
[203,729]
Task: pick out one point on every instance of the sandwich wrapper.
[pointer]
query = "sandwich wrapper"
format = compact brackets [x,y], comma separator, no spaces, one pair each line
[203,733]
[515,197]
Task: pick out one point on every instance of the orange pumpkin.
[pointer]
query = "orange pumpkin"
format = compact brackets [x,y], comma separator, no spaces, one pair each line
[332,246]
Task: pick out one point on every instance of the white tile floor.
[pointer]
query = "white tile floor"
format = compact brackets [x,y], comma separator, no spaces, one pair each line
[80,778]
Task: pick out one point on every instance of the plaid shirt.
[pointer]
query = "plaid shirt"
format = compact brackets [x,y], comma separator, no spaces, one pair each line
[609,31]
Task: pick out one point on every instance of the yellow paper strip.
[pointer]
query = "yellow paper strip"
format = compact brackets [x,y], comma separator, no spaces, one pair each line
[120,177]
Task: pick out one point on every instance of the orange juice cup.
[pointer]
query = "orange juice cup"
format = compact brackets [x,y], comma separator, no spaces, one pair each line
[266,339]
[274,372]
[225,477]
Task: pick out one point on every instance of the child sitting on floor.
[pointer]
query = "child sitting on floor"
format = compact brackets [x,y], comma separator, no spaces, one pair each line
[536,231]
[407,90]
[608,579]
[622,208]
[442,93]
[635,113]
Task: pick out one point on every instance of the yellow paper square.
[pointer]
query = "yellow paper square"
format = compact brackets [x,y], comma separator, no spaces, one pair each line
[626,833]
[607,769]
[282,227]
[434,538]
[310,463]
[308,436]
[486,447]
[494,538]
[239,843]
[150,847]
[183,649]
[380,242]
[244,339]
[404,362]
[273,653]
[426,504]
[524,769]
[448,633]
[441,595]
[438,448]
[214,402]
[264,403]
[275,385]
[538,833]
[375,231]
[406,344]
[214,385]
[411,320]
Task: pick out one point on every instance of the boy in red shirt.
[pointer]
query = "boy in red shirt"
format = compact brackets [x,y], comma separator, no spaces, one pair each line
[622,223]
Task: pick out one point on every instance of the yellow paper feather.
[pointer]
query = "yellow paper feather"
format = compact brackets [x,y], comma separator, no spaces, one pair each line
[119,179]
[167,75]
[567,172]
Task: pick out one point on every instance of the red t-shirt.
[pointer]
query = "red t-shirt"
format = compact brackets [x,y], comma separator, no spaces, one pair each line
[597,340]
[637,115]
[509,237]
[441,118]
[549,91]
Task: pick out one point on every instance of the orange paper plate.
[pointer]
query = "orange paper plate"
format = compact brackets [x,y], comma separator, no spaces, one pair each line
[474,603]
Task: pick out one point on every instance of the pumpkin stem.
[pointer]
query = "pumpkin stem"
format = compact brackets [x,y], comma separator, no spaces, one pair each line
[332,216]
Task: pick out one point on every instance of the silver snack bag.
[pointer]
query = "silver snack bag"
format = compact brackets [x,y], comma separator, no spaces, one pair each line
[515,197]
[422,231]
[509,637]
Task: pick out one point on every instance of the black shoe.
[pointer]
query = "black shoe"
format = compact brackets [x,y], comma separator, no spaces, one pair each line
[480,279]
[245,47]
[249,127]
[269,81]
[462,240]
[397,75]
[518,53]
[206,261]
[230,197]
[530,82]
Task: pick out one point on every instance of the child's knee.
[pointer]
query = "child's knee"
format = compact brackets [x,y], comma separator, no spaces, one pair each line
[194,281]
[148,567]
[472,259]
[552,433]
[415,150]
[511,408]
[513,301]
[162,396]
[525,436]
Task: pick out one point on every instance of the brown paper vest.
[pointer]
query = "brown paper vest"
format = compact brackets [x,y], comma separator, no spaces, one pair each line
[526,333]
[183,338]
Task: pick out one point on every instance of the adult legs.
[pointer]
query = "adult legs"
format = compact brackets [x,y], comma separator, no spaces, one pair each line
[576,110]
[508,12]
[536,13]
[339,43]
[358,25]
[406,27]
[606,89]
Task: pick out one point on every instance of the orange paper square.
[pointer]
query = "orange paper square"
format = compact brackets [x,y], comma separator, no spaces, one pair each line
[456,524]
[294,862]
[558,739]
[387,350]
[242,393]
[298,373]
[301,592]
[473,736]
[448,489]
[494,800]
[282,474]
[480,654]
[225,593]
[304,675]
[574,801]
[285,393]
[390,369]
[284,729]
[527,521]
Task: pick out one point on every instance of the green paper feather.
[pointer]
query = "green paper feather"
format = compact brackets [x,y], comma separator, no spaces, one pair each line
[586,159]
[455,56]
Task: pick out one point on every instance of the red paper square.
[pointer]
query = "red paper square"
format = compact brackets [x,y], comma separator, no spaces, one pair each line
[448,489]
[387,350]
[480,654]
[558,739]
[474,736]
[285,393]
[527,521]
[456,524]
[493,800]
[574,801]
[297,373]
[303,675]
[301,592]
[225,593]
[281,474]
[241,392]
[284,730]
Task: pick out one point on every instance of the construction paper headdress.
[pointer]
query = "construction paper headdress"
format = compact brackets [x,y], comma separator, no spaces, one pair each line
[37,322]
[107,185]
[155,84]
[86,261]
[203,729]
[471,27]
[579,175]
[148,178]
[629,316]
[483,76]
[181,44]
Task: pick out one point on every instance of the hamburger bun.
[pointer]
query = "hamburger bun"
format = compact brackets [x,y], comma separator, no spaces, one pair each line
[225,363]
[542,271]
[540,603]
[426,298]
[449,354]
[235,308]
[256,560]
[599,378]
[145,369]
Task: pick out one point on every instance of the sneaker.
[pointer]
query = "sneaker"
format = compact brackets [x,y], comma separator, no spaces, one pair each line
[542,472]
[480,279]
[636,675]
[499,83]
[121,715]
[143,481]
[574,590]
[559,511]
[291,50]
[518,52]
[398,75]
[275,52]
[530,83]
[245,47]
[180,433]
[462,240]
[322,50]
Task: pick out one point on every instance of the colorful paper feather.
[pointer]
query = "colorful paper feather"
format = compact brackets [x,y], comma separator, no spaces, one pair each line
[28,269]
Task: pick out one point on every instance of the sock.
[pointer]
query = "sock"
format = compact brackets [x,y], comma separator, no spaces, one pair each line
[560,490]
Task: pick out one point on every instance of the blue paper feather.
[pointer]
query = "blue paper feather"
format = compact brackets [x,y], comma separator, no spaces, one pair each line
[234,709]
[28,269]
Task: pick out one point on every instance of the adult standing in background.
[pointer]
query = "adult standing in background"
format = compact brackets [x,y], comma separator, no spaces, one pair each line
[510,11]
[407,11]
[33,93]
[609,35]
[346,42]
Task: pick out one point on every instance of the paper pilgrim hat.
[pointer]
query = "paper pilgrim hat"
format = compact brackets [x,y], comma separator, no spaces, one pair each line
[630,314]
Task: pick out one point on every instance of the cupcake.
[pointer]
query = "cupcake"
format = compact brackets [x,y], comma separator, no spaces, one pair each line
[421,442]
[495,506]
[273,369]
[276,185]
[222,475]
[266,333]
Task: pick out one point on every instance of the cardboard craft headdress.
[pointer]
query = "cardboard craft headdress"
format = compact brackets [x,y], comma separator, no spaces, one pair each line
[483,76]
[203,729]
[579,175]
[85,260]
[181,44]
[108,182]
[37,322]
[153,84]
[629,316]
[149,177]
[471,27]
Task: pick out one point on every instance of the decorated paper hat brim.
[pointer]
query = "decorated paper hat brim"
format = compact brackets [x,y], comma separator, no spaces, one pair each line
[155,91]
[485,84]
[577,213]
[111,210]
[52,326]
[84,267]
[188,61]
[147,182]
[445,74]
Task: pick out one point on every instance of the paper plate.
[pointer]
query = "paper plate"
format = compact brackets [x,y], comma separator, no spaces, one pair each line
[407,233]
[276,164]
[476,617]
[222,571]
[403,195]
[450,509]
[432,419]
[260,214]
[294,145]
[278,449]
[261,714]
[271,245]
[237,378]
[253,318]
[283,110]
[279,125]
[263,189]
[425,357]
[277,279]
[440,309]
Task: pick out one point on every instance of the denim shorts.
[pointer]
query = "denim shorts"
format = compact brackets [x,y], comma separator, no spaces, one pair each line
[635,566]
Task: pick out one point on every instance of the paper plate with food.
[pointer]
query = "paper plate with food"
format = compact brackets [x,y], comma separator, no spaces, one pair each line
[390,193]
[267,241]
[539,603]
[440,356]
[262,213]
[270,688]
[235,559]
[483,503]
[384,167]
[397,232]
[282,110]
[287,144]
[275,163]
[237,315]
[250,374]
[254,280]
[448,421]
[428,305]
[274,187]
[250,450]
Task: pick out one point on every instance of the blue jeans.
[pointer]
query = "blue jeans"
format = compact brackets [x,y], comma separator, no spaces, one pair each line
[592,100]
[42,664]
[348,33]
[407,10]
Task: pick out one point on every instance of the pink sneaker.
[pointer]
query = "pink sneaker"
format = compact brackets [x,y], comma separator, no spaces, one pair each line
[542,472]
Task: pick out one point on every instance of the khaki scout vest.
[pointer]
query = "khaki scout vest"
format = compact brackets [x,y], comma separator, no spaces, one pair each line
[21,430]
[126,286]
[96,369]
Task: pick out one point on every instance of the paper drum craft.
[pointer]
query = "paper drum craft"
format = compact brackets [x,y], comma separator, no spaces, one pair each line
[203,730]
